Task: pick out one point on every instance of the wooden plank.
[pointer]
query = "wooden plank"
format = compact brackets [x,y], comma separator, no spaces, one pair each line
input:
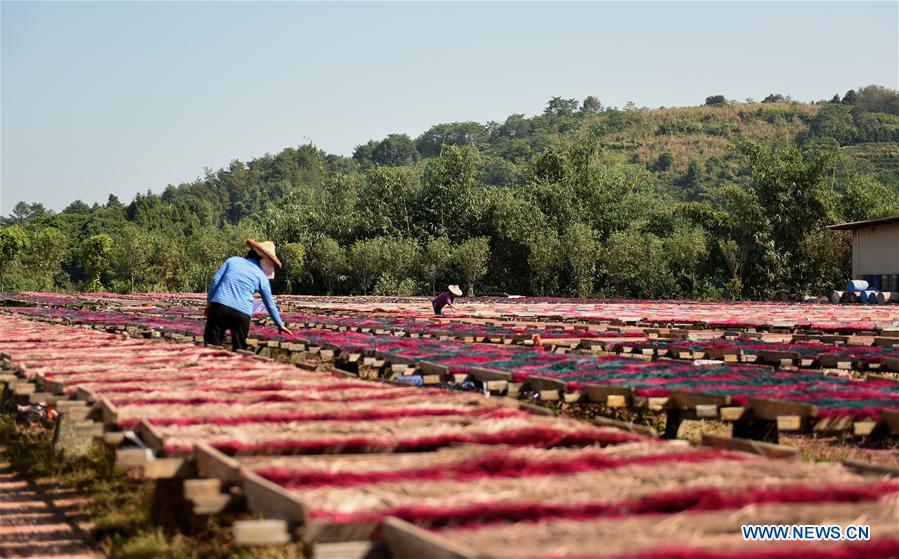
[538,383]
[625,426]
[407,541]
[689,400]
[273,501]
[109,411]
[833,424]
[746,445]
[890,419]
[764,408]
[260,532]
[608,394]
[484,374]
[151,436]
[868,468]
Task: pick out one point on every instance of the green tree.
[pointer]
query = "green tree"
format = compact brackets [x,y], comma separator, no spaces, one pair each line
[716,101]
[394,150]
[95,254]
[387,197]
[449,201]
[327,262]
[48,248]
[864,197]
[436,257]
[366,261]
[544,260]
[471,258]
[580,248]
[797,195]
[13,242]
[294,258]
[132,252]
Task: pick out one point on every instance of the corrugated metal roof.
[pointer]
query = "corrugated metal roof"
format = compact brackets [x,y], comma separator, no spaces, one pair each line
[866,223]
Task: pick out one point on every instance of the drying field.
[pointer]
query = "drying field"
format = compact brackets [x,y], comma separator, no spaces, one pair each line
[417,436]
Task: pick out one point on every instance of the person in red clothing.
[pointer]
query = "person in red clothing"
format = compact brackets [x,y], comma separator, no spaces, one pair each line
[446,299]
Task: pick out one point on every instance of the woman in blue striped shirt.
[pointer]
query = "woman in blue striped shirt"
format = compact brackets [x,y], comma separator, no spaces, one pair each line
[230,297]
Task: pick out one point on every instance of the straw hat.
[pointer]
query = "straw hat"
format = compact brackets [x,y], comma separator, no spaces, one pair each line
[454,289]
[265,248]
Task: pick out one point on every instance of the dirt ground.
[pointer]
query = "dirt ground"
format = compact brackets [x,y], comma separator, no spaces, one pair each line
[41,520]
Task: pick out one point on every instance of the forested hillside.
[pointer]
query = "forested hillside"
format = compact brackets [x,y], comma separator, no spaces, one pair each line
[725,200]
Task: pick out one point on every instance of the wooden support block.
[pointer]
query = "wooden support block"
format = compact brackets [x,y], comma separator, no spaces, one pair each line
[863,428]
[350,550]
[571,397]
[217,504]
[657,404]
[113,438]
[133,457]
[195,489]
[513,389]
[496,385]
[616,401]
[707,411]
[789,423]
[548,395]
[260,532]
[731,413]
[431,379]
[169,468]
[44,398]
[23,389]
[746,445]
[459,378]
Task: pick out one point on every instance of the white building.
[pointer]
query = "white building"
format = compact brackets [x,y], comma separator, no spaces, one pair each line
[875,251]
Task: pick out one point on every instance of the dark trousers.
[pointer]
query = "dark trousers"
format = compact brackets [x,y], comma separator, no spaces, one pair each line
[222,318]
[437,310]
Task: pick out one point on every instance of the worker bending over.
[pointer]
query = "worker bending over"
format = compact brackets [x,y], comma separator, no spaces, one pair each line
[446,299]
[230,297]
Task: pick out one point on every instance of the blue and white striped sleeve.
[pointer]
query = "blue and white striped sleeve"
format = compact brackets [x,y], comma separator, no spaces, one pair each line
[265,289]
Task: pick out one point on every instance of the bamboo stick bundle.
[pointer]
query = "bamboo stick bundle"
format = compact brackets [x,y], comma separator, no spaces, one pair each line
[402,434]
[411,405]
[702,534]
[586,485]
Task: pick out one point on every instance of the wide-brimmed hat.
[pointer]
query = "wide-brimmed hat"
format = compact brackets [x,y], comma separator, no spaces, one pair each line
[455,290]
[265,248]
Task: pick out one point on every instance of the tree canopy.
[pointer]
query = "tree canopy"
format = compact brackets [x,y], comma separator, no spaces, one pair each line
[722,200]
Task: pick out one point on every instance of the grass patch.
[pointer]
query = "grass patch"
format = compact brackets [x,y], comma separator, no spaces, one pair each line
[120,507]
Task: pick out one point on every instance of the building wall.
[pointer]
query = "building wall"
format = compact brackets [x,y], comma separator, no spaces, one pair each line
[875,250]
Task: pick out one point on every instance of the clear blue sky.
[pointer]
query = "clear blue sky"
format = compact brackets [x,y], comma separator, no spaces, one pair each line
[102,98]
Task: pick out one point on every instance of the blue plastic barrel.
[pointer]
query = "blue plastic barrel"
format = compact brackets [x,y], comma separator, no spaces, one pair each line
[856,285]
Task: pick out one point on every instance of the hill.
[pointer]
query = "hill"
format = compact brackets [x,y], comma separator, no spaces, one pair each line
[723,200]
